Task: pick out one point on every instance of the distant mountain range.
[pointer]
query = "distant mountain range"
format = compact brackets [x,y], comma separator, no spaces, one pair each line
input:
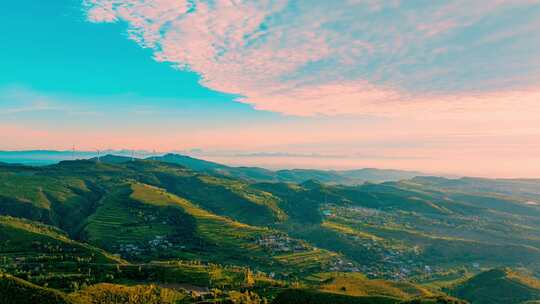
[49,157]
[256,174]
[347,177]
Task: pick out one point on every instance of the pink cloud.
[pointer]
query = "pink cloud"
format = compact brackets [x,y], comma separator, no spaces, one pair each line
[456,87]
[239,47]
[500,142]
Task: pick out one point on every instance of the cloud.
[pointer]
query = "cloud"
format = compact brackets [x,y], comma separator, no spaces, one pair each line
[18,100]
[342,57]
[33,107]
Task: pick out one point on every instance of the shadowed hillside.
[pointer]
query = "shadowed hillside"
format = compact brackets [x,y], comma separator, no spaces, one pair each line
[499,286]
[120,220]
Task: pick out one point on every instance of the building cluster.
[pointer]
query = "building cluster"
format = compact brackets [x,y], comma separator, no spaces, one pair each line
[132,250]
[382,259]
[159,242]
[279,243]
[341,265]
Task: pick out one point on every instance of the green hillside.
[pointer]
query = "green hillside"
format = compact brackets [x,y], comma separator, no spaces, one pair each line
[20,236]
[356,284]
[36,195]
[307,296]
[499,286]
[254,174]
[368,224]
[139,294]
[16,291]
[224,196]
[125,221]
[47,256]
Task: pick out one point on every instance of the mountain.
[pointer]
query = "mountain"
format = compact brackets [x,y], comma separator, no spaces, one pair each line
[119,220]
[522,188]
[190,162]
[356,284]
[41,157]
[17,291]
[14,290]
[50,157]
[307,296]
[255,174]
[136,209]
[47,256]
[379,175]
[500,285]
[117,204]
[298,296]
[113,159]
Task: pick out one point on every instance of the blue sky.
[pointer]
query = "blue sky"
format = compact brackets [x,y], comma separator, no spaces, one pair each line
[53,51]
[52,48]
[340,84]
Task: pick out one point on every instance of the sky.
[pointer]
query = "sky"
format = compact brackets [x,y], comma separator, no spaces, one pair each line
[438,86]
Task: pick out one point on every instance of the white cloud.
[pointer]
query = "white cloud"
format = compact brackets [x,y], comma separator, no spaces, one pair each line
[342,57]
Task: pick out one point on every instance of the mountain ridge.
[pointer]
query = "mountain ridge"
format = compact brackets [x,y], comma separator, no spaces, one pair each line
[142,219]
[258,174]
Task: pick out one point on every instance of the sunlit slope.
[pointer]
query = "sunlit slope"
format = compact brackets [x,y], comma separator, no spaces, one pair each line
[499,286]
[148,210]
[151,219]
[24,238]
[356,284]
[223,196]
[143,222]
[409,221]
[64,194]
[45,255]
[36,194]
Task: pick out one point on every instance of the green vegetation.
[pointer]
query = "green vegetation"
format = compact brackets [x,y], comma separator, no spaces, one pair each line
[500,285]
[92,232]
[300,296]
[435,300]
[14,290]
[255,174]
[304,296]
[356,284]
[139,294]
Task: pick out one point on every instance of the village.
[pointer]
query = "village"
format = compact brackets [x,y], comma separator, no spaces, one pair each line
[281,243]
[131,250]
[386,260]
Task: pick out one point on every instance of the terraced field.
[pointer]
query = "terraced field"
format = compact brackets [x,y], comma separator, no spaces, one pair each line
[80,223]
[126,218]
[235,241]
[45,254]
[309,261]
[356,284]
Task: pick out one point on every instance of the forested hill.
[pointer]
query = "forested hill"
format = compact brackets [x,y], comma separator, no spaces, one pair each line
[69,226]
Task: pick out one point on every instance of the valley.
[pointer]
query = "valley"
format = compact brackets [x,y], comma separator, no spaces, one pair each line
[182,229]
